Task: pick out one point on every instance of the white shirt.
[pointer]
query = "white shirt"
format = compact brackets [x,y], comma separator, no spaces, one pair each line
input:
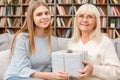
[103,57]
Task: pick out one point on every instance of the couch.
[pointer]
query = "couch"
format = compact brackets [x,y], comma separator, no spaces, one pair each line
[5,52]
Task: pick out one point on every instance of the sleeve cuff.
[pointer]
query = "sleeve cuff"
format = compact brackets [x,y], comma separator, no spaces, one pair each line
[96,70]
[26,72]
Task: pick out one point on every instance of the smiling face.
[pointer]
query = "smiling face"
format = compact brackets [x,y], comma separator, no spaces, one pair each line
[86,22]
[41,17]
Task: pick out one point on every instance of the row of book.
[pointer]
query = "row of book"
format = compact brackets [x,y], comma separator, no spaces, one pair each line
[62,10]
[60,22]
[64,22]
[88,1]
[16,22]
[10,2]
[65,1]
[13,10]
[115,11]
[60,1]
[115,21]
[10,10]
[82,1]
[65,33]
[45,1]
[22,1]
[67,22]
[113,33]
[115,1]
[67,10]
[59,32]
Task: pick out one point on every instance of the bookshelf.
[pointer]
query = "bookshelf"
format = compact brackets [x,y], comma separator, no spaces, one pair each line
[12,15]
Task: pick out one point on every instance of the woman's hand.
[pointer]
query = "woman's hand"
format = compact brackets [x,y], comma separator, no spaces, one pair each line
[60,75]
[86,71]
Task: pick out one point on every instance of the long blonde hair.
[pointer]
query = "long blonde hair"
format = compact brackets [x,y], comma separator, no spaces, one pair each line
[97,32]
[28,27]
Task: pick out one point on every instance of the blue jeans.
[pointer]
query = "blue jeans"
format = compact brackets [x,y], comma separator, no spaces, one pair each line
[22,78]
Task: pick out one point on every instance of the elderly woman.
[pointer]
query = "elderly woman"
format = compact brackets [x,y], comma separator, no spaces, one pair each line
[103,62]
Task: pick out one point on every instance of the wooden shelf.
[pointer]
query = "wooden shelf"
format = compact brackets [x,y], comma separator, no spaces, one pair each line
[63,13]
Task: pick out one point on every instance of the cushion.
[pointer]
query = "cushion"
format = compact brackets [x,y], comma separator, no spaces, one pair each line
[114,42]
[4,62]
[62,43]
[5,40]
[118,46]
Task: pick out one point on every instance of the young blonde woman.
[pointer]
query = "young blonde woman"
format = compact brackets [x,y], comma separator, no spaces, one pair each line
[103,62]
[31,47]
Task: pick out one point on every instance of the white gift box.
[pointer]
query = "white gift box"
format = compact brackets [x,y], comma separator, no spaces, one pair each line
[68,62]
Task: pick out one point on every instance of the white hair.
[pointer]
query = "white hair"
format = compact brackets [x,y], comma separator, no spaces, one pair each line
[93,10]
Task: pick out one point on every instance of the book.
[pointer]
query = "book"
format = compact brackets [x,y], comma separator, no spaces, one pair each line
[69,62]
[58,22]
[78,1]
[75,9]
[110,33]
[117,11]
[68,33]
[104,1]
[62,22]
[58,33]
[60,1]
[115,1]
[85,1]
[118,22]
[10,31]
[117,33]
[114,11]
[70,10]
[9,21]
[103,22]
[61,10]
[101,11]
[9,10]
[69,22]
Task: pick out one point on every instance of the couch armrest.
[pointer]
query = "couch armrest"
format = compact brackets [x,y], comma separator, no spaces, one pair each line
[4,62]
[5,40]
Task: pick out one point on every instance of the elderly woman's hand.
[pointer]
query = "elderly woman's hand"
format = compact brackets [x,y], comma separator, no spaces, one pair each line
[86,71]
